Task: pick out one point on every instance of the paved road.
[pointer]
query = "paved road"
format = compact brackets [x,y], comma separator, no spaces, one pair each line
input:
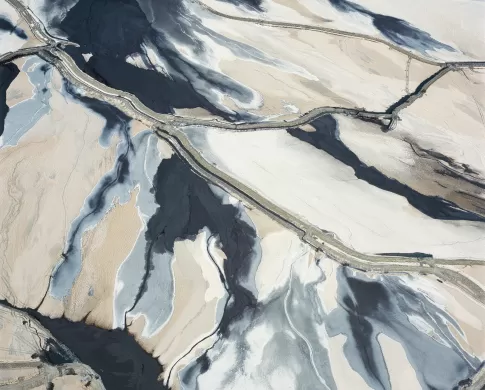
[11,56]
[333,31]
[167,127]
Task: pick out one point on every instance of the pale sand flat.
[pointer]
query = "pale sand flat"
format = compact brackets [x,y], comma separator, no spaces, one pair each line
[320,189]
[279,251]
[343,374]
[401,374]
[319,70]
[400,157]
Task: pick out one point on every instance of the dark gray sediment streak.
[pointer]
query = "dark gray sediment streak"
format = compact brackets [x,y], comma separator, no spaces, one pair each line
[7,26]
[418,255]
[398,31]
[293,330]
[327,138]
[115,183]
[369,307]
[129,172]
[8,73]
[186,205]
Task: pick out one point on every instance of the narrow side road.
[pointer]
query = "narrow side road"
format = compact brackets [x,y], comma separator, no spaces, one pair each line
[333,31]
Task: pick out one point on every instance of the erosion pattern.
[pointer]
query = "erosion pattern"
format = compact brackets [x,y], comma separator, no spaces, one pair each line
[241,195]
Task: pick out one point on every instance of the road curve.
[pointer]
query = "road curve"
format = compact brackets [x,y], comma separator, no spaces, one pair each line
[11,56]
[167,127]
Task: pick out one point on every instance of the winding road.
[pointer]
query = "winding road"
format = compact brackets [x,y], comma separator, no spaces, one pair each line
[168,127]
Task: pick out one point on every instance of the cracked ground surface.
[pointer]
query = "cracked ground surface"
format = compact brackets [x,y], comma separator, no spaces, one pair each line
[242,194]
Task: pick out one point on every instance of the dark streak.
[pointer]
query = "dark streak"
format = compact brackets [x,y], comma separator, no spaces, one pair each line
[8,73]
[254,5]
[417,255]
[7,26]
[397,30]
[454,175]
[326,138]
[418,90]
[116,121]
[369,307]
[203,361]
[113,30]
[187,205]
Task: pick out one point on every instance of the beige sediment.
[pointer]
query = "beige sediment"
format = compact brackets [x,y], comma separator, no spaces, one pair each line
[329,290]
[165,149]
[264,224]
[302,10]
[279,250]
[103,251]
[280,247]
[32,41]
[307,127]
[136,127]
[345,377]
[469,314]
[71,382]
[475,273]
[334,65]
[418,71]
[194,112]
[35,189]
[198,291]
[403,160]
[17,343]
[21,89]
[199,350]
[401,374]
[277,87]
[309,232]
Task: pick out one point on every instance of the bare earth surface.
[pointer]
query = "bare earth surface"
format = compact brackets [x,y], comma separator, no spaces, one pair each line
[205,194]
